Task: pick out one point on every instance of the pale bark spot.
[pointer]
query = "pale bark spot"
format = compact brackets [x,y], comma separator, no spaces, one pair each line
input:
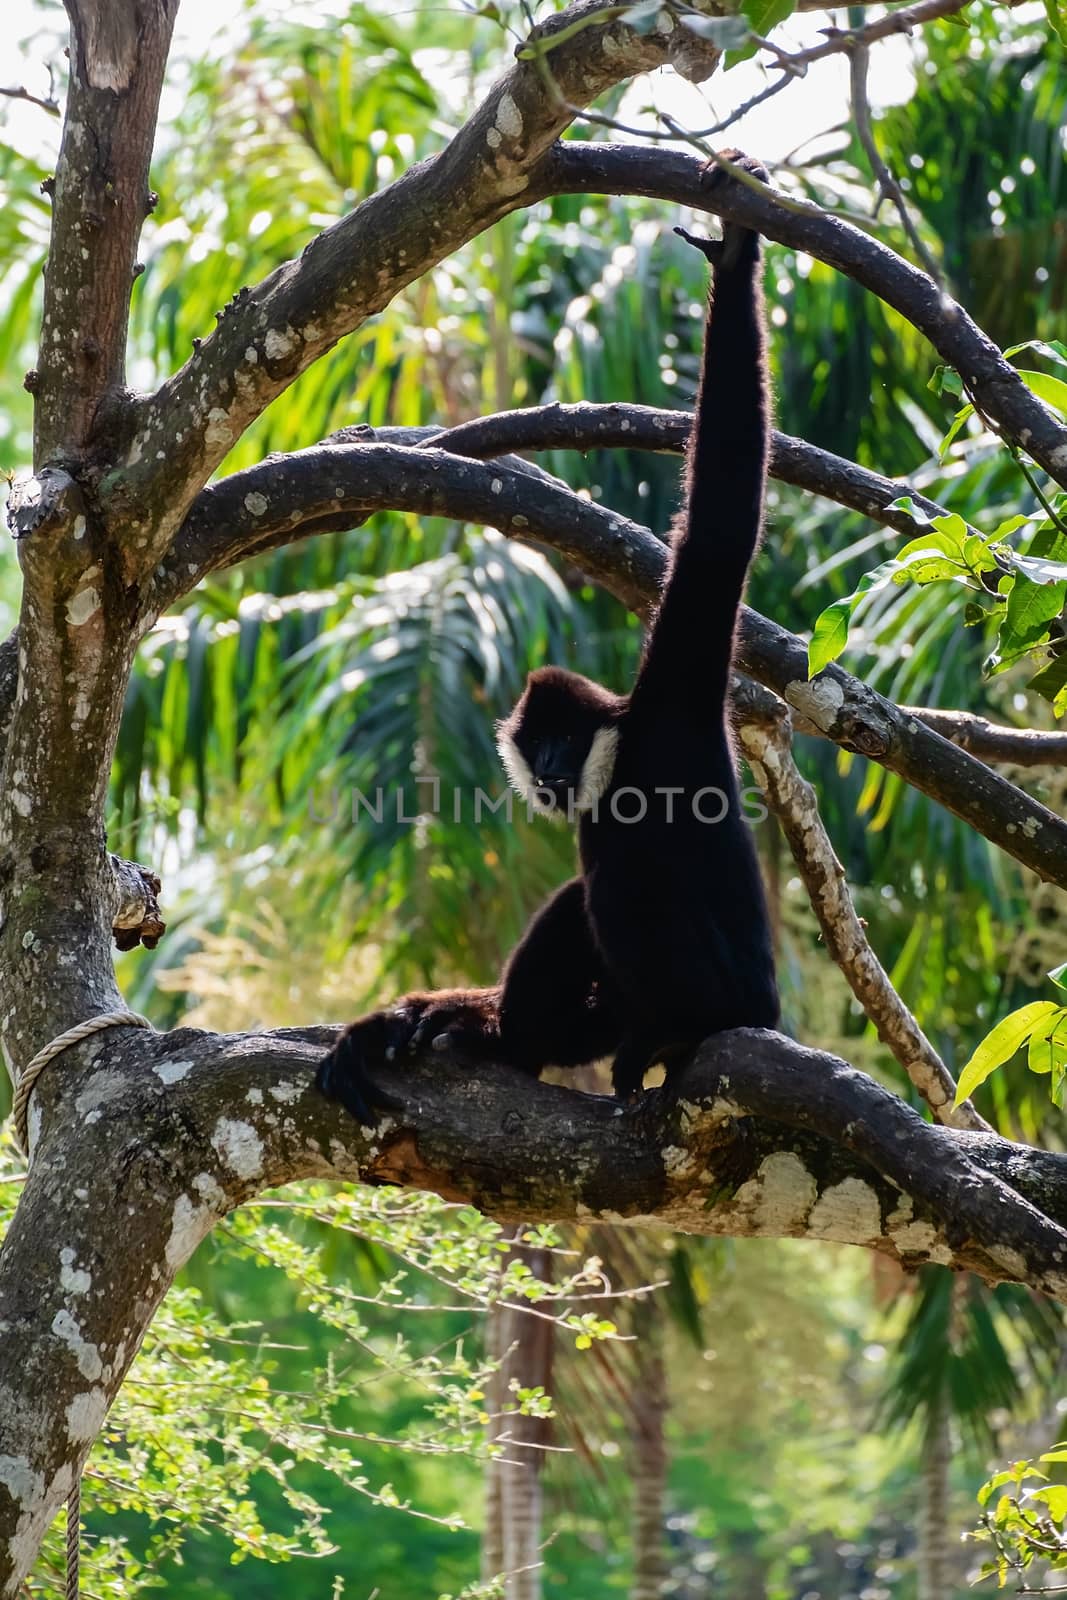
[210,1190]
[285,1092]
[1013,1261]
[677,1161]
[780,1197]
[66,1328]
[848,1211]
[85,1415]
[920,1239]
[240,1146]
[82,606]
[256,504]
[19,1478]
[218,431]
[278,344]
[509,118]
[172,1071]
[33,1523]
[189,1224]
[820,700]
[74,1280]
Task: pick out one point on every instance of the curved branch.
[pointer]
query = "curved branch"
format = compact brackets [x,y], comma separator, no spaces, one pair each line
[271,333]
[585,168]
[762,1138]
[588,426]
[273,502]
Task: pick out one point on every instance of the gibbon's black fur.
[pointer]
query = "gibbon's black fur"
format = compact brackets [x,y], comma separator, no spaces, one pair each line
[664,937]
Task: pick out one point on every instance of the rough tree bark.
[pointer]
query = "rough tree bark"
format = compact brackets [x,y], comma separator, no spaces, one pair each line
[170,1132]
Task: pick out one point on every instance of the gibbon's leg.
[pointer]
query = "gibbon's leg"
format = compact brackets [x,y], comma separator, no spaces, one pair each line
[558,1008]
[638,1052]
[554,1006]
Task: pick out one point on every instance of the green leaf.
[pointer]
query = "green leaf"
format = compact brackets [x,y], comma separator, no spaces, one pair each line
[1036,568]
[642,18]
[1052,349]
[725,33]
[1053,391]
[1000,1045]
[946,380]
[1031,607]
[1051,684]
[767,14]
[829,635]
[916,512]
[1053,1495]
[1057,975]
[1048,1043]
[958,421]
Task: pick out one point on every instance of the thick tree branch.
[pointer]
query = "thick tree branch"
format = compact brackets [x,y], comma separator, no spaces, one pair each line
[763,1138]
[270,503]
[585,168]
[118,52]
[587,426]
[273,332]
[766,736]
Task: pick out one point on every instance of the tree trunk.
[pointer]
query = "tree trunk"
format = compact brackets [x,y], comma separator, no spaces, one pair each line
[514,1500]
[649,1456]
[935,1554]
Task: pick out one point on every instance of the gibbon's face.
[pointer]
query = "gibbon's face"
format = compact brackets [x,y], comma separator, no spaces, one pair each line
[558,745]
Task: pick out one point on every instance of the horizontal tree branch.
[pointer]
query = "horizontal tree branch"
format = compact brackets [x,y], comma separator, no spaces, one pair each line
[587,426]
[575,167]
[245,512]
[992,741]
[762,1137]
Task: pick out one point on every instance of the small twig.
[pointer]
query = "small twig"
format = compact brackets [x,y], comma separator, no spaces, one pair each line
[991,742]
[888,187]
[838,40]
[22,93]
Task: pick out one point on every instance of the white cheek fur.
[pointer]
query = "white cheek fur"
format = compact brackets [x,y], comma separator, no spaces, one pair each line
[596,773]
[515,765]
[598,768]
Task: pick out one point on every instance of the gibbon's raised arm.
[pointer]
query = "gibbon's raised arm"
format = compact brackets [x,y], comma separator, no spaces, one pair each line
[690,646]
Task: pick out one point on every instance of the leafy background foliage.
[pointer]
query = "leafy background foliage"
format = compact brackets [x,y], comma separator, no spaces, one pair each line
[378,658]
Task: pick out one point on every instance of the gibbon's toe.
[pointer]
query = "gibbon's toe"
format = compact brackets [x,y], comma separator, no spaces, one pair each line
[713,171]
[343,1076]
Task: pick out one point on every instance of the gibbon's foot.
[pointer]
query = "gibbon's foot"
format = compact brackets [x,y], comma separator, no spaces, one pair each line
[725,251]
[456,1020]
[371,1043]
[713,172]
[642,1107]
[345,1074]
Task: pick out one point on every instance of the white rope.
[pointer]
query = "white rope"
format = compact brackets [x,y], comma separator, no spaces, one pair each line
[33,1069]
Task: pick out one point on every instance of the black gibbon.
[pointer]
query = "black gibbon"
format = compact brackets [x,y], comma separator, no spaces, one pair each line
[664,937]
